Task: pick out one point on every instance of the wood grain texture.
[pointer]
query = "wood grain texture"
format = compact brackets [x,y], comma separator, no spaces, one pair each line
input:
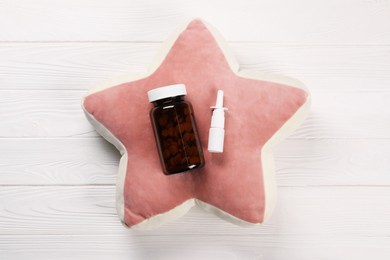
[81,66]
[349,211]
[301,21]
[192,247]
[43,114]
[76,222]
[347,162]
[93,161]
[76,161]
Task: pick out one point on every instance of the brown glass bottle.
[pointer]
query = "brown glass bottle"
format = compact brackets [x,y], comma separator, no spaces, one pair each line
[175,130]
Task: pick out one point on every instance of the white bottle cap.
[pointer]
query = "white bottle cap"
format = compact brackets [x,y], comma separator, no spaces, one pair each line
[166,92]
[217,128]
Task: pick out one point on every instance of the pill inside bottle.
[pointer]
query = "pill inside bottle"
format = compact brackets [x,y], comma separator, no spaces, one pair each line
[175,129]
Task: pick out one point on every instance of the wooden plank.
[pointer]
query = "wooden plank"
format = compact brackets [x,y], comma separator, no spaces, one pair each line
[89,161]
[43,114]
[332,162]
[84,65]
[347,114]
[193,247]
[58,113]
[299,61]
[331,216]
[307,21]
[75,161]
[70,65]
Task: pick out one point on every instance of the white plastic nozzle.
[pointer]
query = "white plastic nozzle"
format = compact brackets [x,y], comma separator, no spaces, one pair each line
[219,103]
[217,128]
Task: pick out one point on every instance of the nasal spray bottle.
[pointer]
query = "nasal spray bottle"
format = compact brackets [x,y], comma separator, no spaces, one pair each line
[217,128]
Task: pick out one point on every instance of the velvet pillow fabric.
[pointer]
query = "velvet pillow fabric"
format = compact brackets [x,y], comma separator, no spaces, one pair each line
[237,185]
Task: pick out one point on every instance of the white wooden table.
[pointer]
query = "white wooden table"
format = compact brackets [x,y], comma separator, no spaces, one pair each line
[57,176]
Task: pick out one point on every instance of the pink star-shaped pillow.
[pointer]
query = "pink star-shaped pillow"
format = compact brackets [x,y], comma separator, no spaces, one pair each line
[237,185]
